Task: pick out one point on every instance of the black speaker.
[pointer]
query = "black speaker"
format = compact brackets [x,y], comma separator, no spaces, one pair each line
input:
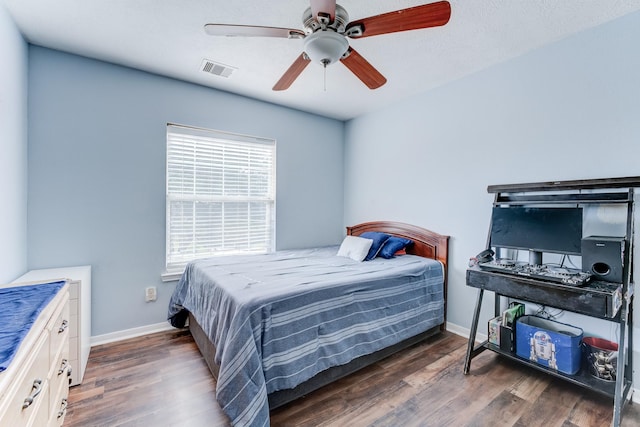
[603,257]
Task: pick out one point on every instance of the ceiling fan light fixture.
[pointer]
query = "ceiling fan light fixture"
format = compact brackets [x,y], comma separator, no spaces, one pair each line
[325,47]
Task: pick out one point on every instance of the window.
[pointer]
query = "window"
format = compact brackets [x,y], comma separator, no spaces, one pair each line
[220,195]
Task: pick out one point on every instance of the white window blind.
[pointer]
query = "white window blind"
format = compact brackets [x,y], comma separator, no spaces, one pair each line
[220,194]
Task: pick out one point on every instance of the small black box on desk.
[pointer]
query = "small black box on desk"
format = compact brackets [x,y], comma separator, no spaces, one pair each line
[502,329]
[507,339]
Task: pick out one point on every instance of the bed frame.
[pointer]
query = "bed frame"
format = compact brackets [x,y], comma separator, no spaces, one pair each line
[426,244]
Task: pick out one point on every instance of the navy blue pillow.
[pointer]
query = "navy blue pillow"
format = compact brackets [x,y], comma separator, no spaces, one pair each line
[379,239]
[393,245]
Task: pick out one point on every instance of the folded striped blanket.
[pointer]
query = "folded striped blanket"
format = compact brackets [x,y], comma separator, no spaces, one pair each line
[20,306]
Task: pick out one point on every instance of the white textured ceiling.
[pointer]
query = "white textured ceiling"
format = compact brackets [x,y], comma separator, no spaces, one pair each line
[167,37]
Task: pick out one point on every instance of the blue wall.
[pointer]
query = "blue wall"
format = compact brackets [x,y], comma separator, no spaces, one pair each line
[13,150]
[97,149]
[567,111]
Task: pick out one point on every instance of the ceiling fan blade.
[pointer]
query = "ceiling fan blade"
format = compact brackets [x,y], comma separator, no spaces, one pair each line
[252,31]
[363,70]
[292,73]
[413,18]
[324,6]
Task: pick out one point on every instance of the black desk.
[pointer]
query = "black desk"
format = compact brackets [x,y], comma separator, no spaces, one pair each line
[613,303]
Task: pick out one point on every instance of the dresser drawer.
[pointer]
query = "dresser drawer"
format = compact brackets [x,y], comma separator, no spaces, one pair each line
[60,391]
[75,362]
[60,365]
[60,412]
[59,330]
[30,392]
[59,380]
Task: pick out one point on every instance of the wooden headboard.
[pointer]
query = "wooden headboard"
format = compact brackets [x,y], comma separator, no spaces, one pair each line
[426,243]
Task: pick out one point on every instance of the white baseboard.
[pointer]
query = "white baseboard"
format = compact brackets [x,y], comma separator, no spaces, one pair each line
[130,333]
[464,332]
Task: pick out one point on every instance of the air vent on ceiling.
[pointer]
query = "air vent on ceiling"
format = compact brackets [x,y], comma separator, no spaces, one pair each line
[217,68]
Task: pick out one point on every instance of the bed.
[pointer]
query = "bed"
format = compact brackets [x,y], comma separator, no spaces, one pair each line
[275,327]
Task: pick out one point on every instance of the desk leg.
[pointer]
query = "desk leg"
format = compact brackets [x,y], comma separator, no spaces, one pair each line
[472,332]
[625,360]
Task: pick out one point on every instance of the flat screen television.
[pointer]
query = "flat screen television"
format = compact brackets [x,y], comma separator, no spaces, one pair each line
[537,229]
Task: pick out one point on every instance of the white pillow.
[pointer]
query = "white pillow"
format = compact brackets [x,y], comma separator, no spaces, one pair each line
[355,248]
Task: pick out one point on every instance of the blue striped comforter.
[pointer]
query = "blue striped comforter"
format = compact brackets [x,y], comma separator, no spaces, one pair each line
[279,319]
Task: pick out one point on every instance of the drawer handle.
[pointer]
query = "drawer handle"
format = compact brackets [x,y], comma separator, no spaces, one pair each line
[63,366]
[64,326]
[35,391]
[63,408]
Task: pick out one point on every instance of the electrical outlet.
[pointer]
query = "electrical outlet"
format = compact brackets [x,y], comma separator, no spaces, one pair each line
[150,294]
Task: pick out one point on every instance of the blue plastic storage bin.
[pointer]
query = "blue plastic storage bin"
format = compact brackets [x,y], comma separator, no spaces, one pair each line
[549,343]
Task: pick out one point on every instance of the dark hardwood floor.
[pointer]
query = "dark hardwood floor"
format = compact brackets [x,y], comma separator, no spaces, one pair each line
[161,380]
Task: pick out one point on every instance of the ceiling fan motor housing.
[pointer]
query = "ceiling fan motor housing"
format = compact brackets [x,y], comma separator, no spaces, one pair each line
[339,23]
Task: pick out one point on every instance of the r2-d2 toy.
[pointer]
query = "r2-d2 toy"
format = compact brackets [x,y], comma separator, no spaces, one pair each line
[542,348]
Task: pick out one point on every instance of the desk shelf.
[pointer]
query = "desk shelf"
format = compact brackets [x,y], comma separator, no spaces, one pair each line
[582,378]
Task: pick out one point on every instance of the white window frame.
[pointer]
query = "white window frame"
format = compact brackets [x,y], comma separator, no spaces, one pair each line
[207,171]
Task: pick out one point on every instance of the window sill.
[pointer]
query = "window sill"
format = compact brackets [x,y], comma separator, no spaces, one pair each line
[171,276]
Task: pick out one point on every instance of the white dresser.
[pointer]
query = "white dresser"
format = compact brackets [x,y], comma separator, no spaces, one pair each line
[79,279]
[35,386]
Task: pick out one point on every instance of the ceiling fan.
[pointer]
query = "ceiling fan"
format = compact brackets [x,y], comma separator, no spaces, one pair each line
[326,28]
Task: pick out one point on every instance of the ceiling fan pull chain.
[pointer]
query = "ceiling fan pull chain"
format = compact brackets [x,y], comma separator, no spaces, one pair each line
[324,63]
